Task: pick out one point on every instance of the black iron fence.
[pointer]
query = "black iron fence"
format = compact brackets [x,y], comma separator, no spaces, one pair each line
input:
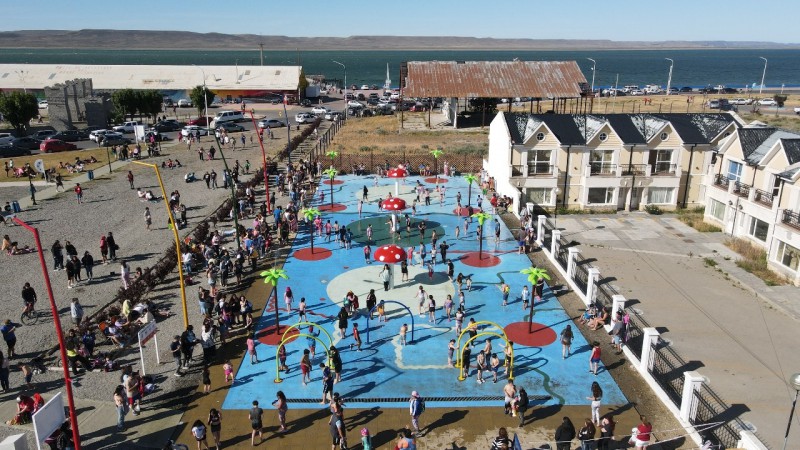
[581,273]
[708,408]
[563,254]
[634,336]
[605,294]
[667,369]
[547,235]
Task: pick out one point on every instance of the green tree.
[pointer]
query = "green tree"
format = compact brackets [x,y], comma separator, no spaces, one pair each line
[331,173]
[149,102]
[487,105]
[18,108]
[272,276]
[310,214]
[470,178]
[482,217]
[199,99]
[302,84]
[125,102]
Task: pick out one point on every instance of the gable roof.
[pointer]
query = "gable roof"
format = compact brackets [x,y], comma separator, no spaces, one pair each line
[700,128]
[756,142]
[791,147]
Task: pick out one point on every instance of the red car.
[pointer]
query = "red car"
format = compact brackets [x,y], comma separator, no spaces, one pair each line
[201,121]
[56,145]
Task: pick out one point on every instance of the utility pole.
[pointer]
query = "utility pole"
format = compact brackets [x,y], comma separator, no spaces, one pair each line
[261,47]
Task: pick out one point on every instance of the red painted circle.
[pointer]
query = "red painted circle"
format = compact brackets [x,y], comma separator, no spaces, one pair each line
[518,333]
[433,180]
[465,211]
[336,207]
[269,337]
[471,259]
[305,254]
[329,182]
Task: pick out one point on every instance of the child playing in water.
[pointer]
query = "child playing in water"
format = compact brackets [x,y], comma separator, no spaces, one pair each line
[382,312]
[403,331]
[228,369]
[451,348]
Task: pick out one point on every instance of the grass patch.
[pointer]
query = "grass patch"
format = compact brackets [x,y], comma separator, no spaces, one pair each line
[52,160]
[694,218]
[754,260]
[791,123]
[709,262]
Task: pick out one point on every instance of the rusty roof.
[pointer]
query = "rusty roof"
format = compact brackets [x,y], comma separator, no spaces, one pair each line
[544,79]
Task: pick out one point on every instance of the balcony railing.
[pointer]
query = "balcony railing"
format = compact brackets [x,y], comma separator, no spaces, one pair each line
[539,169]
[721,181]
[663,168]
[517,170]
[763,197]
[741,189]
[791,218]
[634,169]
[601,168]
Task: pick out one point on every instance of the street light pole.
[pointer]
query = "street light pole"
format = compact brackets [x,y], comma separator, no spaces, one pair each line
[794,381]
[763,75]
[205,96]
[669,77]
[345,87]
[594,65]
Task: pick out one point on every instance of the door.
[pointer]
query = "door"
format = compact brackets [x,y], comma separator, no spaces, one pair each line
[636,197]
[623,198]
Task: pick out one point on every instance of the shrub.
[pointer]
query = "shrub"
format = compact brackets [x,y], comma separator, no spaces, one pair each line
[754,260]
[653,209]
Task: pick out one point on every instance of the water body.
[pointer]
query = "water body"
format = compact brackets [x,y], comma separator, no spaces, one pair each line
[696,68]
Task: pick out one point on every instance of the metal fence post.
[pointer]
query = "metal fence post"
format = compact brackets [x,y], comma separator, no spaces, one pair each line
[571,256]
[591,287]
[617,303]
[692,382]
[650,338]
[540,229]
[555,243]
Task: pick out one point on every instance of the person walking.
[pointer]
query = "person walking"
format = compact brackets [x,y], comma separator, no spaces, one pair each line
[416,406]
[148,218]
[596,397]
[122,407]
[215,424]
[8,331]
[78,193]
[124,273]
[594,357]
[58,256]
[175,348]
[565,433]
[199,433]
[255,416]
[130,179]
[282,406]
[112,246]
[566,341]
[5,370]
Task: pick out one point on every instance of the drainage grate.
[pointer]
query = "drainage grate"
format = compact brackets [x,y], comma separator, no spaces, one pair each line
[486,398]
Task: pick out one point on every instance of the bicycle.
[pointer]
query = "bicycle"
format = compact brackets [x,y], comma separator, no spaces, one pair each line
[29,317]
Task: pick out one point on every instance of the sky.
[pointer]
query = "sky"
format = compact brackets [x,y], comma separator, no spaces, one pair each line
[619,20]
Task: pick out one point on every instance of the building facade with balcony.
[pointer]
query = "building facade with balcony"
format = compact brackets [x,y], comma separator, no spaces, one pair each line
[752,190]
[612,161]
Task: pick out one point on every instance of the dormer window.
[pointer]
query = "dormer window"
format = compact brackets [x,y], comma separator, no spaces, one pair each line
[602,137]
[539,136]
[664,136]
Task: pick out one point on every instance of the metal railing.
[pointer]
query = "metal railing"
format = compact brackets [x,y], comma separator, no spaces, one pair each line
[547,239]
[708,407]
[563,254]
[601,168]
[741,189]
[721,181]
[791,218]
[634,169]
[581,273]
[663,168]
[605,294]
[667,369]
[539,169]
[634,336]
[763,197]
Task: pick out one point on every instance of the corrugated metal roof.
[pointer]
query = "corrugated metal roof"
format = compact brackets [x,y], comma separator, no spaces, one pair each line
[38,76]
[543,79]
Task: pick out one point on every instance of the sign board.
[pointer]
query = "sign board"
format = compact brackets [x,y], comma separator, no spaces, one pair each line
[148,331]
[48,419]
[138,131]
[39,165]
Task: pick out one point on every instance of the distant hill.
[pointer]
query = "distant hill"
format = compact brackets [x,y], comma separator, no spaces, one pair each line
[142,39]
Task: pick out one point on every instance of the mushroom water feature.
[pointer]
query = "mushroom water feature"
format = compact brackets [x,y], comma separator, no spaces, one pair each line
[390,254]
[397,173]
[393,204]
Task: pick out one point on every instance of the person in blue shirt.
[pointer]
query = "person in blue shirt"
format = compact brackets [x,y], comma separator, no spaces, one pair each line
[8,335]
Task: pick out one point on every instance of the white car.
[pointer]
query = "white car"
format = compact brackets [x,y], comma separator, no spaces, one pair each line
[97,135]
[194,130]
[333,115]
[767,102]
[354,104]
[43,104]
[364,87]
[184,103]
[741,101]
[319,110]
[271,123]
[305,118]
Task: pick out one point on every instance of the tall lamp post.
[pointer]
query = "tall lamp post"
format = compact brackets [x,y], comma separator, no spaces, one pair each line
[73,417]
[763,75]
[345,87]
[594,65]
[234,203]
[669,77]
[175,235]
[794,382]
[205,93]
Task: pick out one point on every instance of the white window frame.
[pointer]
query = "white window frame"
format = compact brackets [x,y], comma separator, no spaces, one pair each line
[531,195]
[669,197]
[735,176]
[609,196]
[752,228]
[780,255]
[716,207]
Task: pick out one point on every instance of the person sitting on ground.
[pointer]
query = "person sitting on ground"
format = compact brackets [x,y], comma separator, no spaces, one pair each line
[141,194]
[150,197]
[7,244]
[25,407]
[589,314]
[598,321]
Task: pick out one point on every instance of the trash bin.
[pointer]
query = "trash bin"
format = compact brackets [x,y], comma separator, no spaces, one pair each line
[15,206]
[91,174]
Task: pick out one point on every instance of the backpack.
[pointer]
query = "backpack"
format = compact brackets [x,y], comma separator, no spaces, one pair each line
[421,405]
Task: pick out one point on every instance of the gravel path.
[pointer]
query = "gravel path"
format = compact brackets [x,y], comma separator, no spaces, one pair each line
[109,204]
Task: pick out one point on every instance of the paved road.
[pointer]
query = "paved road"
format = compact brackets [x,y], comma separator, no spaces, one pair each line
[741,342]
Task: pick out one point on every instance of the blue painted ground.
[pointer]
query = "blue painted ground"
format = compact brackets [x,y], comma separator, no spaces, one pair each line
[385,369]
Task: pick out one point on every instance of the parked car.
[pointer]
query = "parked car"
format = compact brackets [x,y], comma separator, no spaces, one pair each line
[27,143]
[333,115]
[767,102]
[305,118]
[228,116]
[56,145]
[319,110]
[6,138]
[194,129]
[184,103]
[43,104]
[127,127]
[797,109]
[204,121]
[686,89]
[168,125]
[230,127]
[354,104]
[71,135]
[159,137]
[305,102]
[271,123]
[97,135]
[43,134]
[9,150]
[742,101]
[114,138]
[713,104]
[364,87]
[349,96]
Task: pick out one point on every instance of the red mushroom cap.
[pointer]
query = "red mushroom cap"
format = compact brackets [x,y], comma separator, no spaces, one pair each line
[393,204]
[390,254]
[397,172]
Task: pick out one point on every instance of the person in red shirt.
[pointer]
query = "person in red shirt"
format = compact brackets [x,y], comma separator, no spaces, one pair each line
[79,193]
[594,358]
[642,437]
[356,336]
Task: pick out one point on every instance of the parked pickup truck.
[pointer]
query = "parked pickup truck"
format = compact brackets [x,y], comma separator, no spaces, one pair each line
[797,109]
[127,127]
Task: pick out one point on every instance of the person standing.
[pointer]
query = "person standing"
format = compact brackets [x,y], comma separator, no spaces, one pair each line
[4,372]
[510,393]
[596,397]
[188,341]
[566,341]
[122,407]
[130,179]
[215,424]
[58,256]
[594,357]
[148,218]
[607,426]
[175,348]
[416,406]
[336,359]
[124,273]
[112,246]
[327,383]
[586,435]
[88,263]
[8,330]
[385,275]
[282,406]
[642,438]
[565,433]
[255,416]
[78,193]
[104,249]
[76,311]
